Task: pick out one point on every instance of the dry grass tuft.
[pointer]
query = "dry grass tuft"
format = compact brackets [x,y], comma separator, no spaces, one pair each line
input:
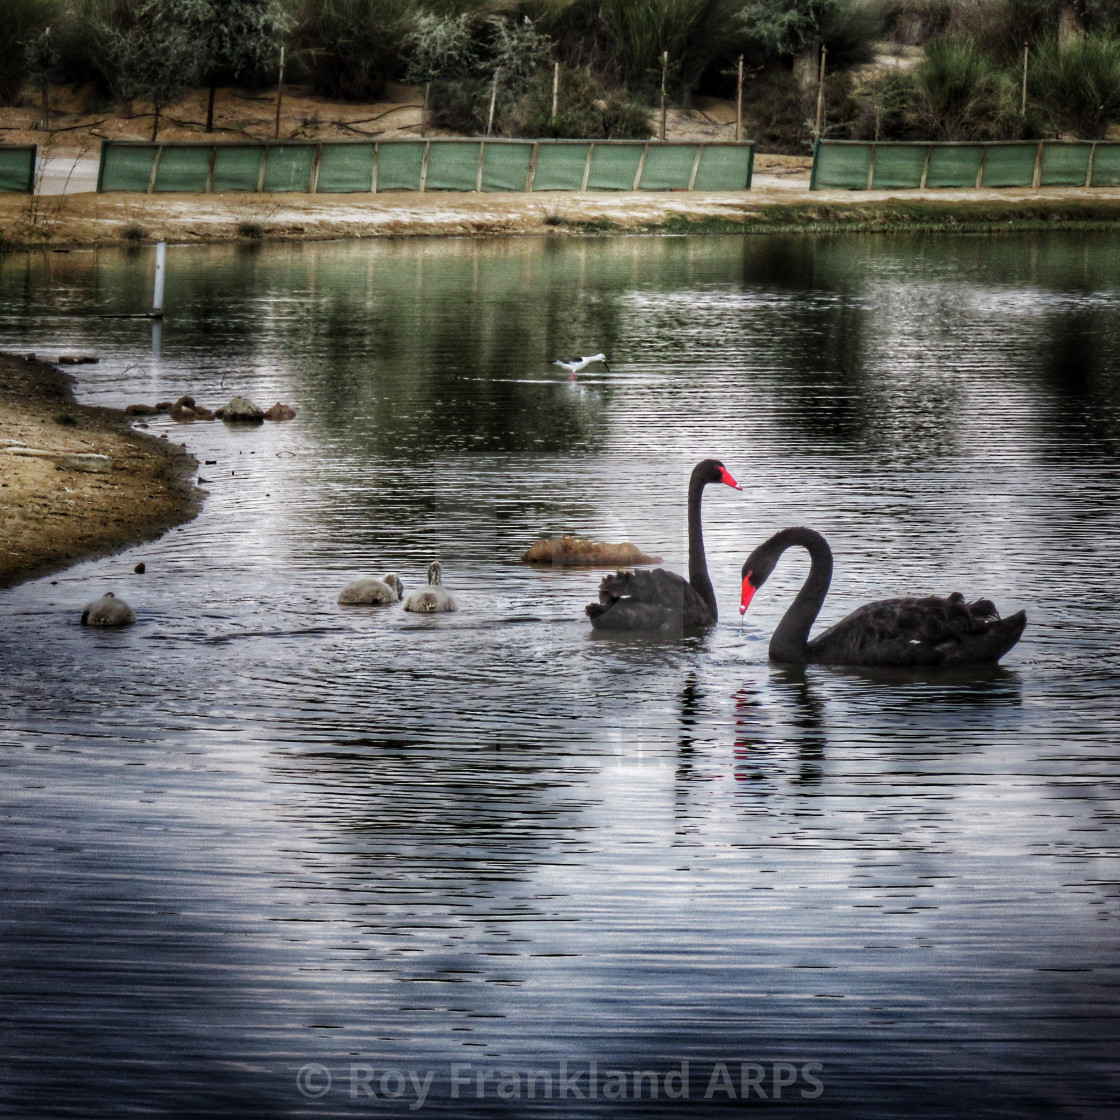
[578,552]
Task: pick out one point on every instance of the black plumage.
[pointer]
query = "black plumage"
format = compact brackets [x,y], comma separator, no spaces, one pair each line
[929,631]
[659,600]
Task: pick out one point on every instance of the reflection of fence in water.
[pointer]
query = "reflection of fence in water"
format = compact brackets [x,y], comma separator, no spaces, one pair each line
[858,165]
[17,168]
[357,166]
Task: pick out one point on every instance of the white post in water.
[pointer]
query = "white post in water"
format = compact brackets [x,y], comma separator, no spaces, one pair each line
[161,269]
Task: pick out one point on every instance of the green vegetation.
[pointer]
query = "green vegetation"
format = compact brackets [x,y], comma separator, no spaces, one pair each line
[1077,84]
[489,64]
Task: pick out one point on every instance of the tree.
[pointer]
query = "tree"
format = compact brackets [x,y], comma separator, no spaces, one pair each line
[786,28]
[155,58]
[233,37]
[21,22]
[43,63]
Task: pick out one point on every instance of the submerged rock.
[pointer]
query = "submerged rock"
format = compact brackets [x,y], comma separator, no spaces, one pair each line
[241,410]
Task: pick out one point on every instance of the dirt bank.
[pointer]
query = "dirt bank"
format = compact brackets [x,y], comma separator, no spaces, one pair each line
[52,514]
[114,219]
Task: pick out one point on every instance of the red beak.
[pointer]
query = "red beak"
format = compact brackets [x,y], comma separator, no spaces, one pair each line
[748,594]
[727,480]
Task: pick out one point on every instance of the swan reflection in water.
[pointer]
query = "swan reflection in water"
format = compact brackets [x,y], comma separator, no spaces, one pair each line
[801,710]
[927,714]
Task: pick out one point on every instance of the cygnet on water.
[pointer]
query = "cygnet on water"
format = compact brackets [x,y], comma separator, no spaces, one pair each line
[387,589]
[435,597]
[108,611]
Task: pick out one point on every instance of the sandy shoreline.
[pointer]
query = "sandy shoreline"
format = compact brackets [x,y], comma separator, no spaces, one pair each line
[52,515]
[99,220]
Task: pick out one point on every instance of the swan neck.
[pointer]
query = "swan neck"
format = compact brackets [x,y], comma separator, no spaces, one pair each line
[791,639]
[697,560]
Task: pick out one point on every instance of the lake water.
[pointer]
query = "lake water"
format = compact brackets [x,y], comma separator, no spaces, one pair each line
[267,856]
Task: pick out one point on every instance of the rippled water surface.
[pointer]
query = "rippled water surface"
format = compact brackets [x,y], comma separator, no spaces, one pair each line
[265,855]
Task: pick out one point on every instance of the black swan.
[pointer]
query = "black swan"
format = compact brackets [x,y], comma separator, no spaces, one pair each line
[661,600]
[108,611]
[433,598]
[911,632]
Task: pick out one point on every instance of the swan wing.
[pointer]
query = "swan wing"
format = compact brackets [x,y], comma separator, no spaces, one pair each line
[648,600]
[915,631]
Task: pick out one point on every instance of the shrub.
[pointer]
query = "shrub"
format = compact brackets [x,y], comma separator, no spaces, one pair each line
[961,94]
[885,109]
[585,111]
[1077,84]
[515,51]
[351,47]
[694,32]
[439,47]
[776,112]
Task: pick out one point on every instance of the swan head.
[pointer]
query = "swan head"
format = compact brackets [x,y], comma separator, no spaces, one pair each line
[712,470]
[435,573]
[756,571]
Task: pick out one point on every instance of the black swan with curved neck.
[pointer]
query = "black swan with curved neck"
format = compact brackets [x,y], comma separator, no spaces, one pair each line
[661,600]
[911,632]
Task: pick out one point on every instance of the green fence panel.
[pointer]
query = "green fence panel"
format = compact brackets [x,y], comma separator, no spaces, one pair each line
[126,167]
[288,167]
[1009,165]
[452,166]
[505,167]
[724,167]
[954,165]
[668,167]
[1106,166]
[560,167]
[898,166]
[399,164]
[614,167]
[183,169]
[841,167]
[345,168]
[17,168]
[393,165]
[237,167]
[1064,165]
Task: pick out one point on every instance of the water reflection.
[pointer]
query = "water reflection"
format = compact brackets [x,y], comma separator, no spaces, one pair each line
[258,831]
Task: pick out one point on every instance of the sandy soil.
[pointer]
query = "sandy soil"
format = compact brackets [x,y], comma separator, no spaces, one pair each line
[50,515]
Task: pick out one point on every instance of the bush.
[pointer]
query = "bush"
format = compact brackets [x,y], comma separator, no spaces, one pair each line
[514,50]
[1077,84]
[585,111]
[694,32]
[351,47]
[439,47]
[915,21]
[886,109]
[776,113]
[959,93]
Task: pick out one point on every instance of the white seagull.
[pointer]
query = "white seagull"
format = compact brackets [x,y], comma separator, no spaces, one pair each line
[574,365]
